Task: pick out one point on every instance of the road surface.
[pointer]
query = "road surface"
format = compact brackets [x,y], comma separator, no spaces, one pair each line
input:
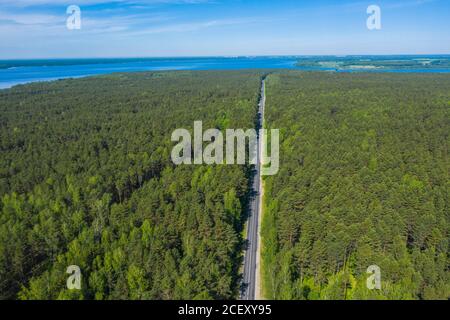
[251,280]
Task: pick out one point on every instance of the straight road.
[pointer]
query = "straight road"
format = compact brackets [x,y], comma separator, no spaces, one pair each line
[250,288]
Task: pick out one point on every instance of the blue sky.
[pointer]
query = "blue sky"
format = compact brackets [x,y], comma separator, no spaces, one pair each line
[146,28]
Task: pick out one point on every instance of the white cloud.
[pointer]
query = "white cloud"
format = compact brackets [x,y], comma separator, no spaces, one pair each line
[405,4]
[30,18]
[28,3]
[194,26]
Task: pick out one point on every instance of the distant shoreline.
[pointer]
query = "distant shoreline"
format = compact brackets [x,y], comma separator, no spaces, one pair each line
[48,62]
[17,72]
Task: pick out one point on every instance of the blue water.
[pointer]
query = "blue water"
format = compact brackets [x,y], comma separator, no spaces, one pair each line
[13,72]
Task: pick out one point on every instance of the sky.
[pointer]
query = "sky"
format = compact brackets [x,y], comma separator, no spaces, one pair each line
[159,28]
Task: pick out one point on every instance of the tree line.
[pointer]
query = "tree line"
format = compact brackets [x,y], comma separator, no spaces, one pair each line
[86,179]
[363,181]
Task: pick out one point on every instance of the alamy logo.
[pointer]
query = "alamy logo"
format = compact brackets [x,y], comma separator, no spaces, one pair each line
[74,281]
[374,20]
[74,20]
[374,280]
[186,152]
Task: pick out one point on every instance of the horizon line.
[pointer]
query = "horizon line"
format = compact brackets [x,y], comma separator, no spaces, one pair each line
[229,56]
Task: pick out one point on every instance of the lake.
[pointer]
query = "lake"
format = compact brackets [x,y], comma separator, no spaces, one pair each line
[13,72]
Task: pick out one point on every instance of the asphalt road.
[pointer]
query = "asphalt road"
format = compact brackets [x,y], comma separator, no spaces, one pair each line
[251,259]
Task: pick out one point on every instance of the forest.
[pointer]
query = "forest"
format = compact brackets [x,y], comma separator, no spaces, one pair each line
[363,181]
[86,179]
